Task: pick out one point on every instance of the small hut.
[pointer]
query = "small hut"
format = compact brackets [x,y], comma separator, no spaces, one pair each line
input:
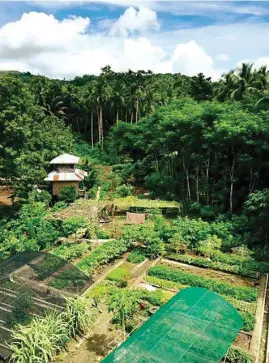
[65,174]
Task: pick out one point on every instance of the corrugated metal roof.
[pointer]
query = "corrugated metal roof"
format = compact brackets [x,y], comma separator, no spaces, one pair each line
[77,175]
[65,159]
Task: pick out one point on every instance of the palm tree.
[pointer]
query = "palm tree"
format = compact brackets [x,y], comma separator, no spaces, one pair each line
[117,100]
[101,95]
[225,87]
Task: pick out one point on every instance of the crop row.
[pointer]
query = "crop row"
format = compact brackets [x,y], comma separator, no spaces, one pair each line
[171,285]
[246,263]
[217,265]
[103,255]
[184,278]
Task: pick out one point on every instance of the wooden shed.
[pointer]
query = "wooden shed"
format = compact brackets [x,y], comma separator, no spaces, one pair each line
[65,173]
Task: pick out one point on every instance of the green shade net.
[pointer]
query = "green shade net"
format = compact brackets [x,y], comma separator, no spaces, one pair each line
[195,326]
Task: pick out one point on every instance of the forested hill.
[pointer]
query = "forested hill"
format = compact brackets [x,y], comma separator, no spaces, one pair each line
[183,138]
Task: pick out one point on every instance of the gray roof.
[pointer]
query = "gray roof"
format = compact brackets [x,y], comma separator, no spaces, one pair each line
[65,159]
[78,175]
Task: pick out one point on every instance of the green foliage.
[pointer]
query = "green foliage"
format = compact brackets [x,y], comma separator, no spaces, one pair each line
[39,196]
[29,231]
[71,251]
[237,355]
[101,234]
[257,210]
[194,166]
[249,321]
[21,308]
[29,137]
[212,242]
[156,298]
[165,284]
[124,304]
[72,224]
[216,265]
[147,237]
[68,194]
[120,276]
[58,206]
[102,255]
[238,292]
[196,232]
[45,336]
[136,256]
[123,191]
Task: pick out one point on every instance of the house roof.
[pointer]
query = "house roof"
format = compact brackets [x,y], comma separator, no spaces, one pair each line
[65,159]
[78,175]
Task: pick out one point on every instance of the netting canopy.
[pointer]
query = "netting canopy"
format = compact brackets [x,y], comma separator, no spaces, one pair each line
[195,326]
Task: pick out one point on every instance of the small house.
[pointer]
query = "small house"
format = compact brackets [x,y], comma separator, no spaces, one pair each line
[65,174]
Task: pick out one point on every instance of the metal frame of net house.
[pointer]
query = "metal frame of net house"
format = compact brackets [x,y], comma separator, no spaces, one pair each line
[195,326]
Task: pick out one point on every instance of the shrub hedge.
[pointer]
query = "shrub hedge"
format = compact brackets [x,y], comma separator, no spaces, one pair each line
[238,292]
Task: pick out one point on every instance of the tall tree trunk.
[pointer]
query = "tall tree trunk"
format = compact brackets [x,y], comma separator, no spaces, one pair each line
[86,124]
[132,116]
[207,177]
[101,126]
[92,128]
[197,184]
[117,117]
[98,123]
[232,183]
[77,119]
[136,111]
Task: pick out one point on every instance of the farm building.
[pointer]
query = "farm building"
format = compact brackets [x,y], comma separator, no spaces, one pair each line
[65,173]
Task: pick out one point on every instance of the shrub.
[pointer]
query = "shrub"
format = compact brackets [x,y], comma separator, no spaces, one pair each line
[102,234]
[120,276]
[249,321]
[39,196]
[136,256]
[238,292]
[237,355]
[72,224]
[68,194]
[58,206]
[70,251]
[211,242]
[123,191]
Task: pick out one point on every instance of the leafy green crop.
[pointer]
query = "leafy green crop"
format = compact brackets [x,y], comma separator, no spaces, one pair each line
[238,292]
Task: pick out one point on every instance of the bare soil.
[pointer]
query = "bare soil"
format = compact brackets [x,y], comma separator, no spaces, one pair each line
[5,193]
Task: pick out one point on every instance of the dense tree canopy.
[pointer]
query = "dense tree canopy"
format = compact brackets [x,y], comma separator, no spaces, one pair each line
[198,152]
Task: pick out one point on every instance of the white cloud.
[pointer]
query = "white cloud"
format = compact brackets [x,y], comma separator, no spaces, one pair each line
[190,59]
[133,20]
[40,43]
[222,57]
[263,61]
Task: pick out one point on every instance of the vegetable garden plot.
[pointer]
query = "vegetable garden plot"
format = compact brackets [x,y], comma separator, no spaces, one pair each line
[195,326]
[26,289]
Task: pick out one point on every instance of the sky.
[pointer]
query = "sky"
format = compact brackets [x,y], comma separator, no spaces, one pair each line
[65,39]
